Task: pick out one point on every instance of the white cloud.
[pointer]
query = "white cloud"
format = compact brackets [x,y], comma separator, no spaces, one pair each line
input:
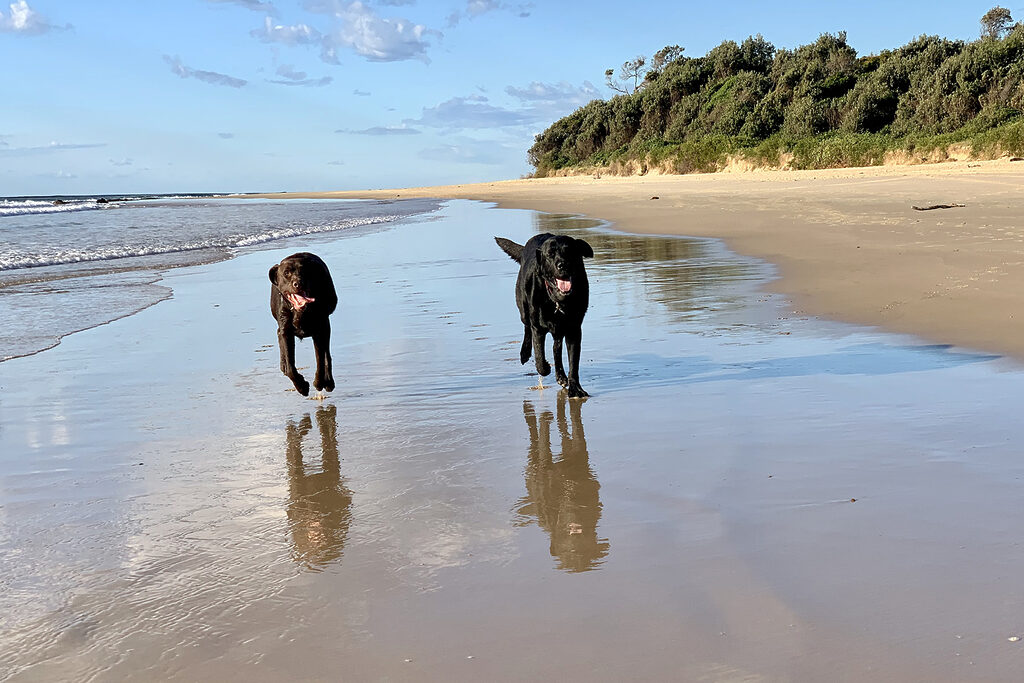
[376,38]
[360,93]
[211,77]
[23,19]
[299,34]
[225,136]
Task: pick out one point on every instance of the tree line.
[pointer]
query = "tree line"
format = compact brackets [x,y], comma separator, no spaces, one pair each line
[818,105]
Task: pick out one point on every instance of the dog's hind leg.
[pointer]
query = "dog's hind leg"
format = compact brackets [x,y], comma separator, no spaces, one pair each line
[556,351]
[324,379]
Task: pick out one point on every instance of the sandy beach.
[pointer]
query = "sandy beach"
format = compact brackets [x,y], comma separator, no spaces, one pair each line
[752,493]
[848,243]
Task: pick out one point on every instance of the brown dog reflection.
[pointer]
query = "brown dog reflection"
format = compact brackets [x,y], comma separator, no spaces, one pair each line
[319,503]
[562,494]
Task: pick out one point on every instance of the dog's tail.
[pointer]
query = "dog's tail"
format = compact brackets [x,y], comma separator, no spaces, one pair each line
[511,248]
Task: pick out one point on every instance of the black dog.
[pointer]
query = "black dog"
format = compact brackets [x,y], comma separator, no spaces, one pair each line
[302,297]
[552,293]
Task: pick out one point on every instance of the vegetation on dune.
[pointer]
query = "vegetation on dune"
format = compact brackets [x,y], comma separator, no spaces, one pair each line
[818,106]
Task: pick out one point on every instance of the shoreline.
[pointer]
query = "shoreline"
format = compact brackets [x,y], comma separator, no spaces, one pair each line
[847,242]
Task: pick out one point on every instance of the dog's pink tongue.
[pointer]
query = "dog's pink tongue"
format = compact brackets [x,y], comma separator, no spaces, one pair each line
[298,301]
[563,285]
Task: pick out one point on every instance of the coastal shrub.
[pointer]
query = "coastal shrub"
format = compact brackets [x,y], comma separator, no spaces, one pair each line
[704,155]
[838,150]
[819,103]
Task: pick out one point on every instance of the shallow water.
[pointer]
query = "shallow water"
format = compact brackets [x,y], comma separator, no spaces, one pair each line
[748,494]
[78,264]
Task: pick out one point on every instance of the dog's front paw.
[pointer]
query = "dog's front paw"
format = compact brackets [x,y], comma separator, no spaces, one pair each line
[324,384]
[562,380]
[301,385]
[543,367]
[575,390]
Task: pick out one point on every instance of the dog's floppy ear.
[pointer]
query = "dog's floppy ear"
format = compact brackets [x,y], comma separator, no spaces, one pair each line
[273,274]
[585,249]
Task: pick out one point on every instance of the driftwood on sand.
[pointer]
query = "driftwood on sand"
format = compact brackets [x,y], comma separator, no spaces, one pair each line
[937,206]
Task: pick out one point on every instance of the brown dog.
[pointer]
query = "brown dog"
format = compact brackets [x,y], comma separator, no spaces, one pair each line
[302,298]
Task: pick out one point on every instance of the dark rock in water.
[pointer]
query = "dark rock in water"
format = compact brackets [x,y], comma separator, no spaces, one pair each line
[58,202]
[102,200]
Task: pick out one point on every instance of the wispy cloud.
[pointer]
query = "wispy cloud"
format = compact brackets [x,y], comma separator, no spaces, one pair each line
[335,163]
[476,8]
[293,77]
[226,136]
[550,101]
[121,162]
[537,102]
[555,93]
[306,82]
[299,34]
[468,152]
[211,77]
[255,5]
[288,71]
[381,130]
[471,112]
[360,93]
[47,149]
[23,19]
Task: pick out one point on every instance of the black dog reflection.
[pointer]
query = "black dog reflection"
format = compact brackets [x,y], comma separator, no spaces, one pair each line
[562,495]
[319,503]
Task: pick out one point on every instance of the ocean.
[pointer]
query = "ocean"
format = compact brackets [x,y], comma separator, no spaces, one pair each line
[69,263]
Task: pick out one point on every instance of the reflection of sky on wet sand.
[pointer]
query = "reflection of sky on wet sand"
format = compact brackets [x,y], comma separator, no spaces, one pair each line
[169,509]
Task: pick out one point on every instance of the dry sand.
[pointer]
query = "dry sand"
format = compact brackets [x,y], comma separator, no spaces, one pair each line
[848,242]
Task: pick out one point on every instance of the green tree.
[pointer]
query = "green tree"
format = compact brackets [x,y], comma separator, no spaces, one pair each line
[666,56]
[996,22]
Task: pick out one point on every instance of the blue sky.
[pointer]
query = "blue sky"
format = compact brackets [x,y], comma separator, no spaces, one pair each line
[266,95]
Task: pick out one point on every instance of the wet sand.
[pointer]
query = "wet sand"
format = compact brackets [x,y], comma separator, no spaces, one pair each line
[750,494]
[848,243]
